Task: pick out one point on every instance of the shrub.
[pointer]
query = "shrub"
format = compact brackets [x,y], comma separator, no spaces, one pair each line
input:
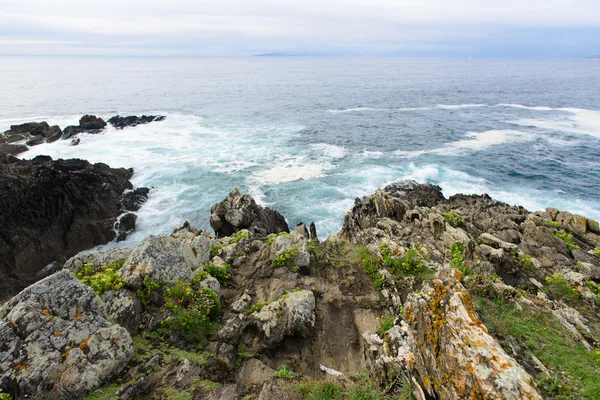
[409,264]
[239,236]
[148,287]
[457,261]
[214,250]
[554,224]
[560,286]
[284,372]
[319,391]
[454,219]
[103,279]
[567,238]
[221,274]
[285,258]
[5,396]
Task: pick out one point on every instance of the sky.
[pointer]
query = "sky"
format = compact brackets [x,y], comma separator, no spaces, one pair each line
[400,28]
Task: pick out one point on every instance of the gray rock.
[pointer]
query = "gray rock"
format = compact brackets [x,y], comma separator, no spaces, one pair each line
[123,307]
[211,283]
[97,258]
[54,336]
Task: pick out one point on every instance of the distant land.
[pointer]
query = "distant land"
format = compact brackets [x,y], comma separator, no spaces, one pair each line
[275,54]
[596,57]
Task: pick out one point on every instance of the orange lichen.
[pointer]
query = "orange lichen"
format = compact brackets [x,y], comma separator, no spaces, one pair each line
[84,344]
[45,312]
[77,315]
[59,333]
[132,267]
[115,341]
[143,272]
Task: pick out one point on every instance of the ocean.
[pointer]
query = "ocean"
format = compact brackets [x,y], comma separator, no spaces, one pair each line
[308,135]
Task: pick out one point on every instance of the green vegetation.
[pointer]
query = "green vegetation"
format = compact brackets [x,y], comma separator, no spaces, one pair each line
[214,250]
[148,287]
[103,393]
[454,218]
[559,286]
[594,288]
[319,390]
[256,307]
[284,372]
[575,370]
[597,252]
[361,389]
[286,258]
[5,396]
[554,224]
[386,325]
[209,385]
[194,312]
[239,236]
[102,279]
[567,238]
[221,274]
[457,261]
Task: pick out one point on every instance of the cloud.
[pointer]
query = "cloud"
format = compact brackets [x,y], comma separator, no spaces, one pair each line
[241,26]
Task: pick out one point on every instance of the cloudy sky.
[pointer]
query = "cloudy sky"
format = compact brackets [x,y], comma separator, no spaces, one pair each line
[406,28]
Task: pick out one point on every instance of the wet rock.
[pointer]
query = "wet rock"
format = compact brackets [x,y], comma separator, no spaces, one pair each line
[75,142]
[161,259]
[133,200]
[34,132]
[11,149]
[240,211]
[51,210]
[55,337]
[125,226]
[313,232]
[132,120]
[71,131]
[91,123]
[415,194]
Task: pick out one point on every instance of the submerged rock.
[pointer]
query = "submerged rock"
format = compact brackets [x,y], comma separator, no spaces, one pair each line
[240,211]
[55,337]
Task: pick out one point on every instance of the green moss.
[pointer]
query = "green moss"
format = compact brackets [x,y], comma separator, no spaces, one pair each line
[567,238]
[215,249]
[239,236]
[575,371]
[454,218]
[284,372]
[554,224]
[270,240]
[102,279]
[199,277]
[386,325]
[209,385]
[559,286]
[286,258]
[256,307]
[173,354]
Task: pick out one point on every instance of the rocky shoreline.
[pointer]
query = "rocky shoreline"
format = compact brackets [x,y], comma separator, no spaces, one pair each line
[418,296]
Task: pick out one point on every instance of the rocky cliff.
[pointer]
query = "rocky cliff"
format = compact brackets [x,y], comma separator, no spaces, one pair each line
[419,296]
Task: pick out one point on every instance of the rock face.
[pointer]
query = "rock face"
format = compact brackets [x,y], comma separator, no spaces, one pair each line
[132,120]
[240,211]
[454,355]
[416,194]
[32,133]
[51,210]
[54,337]
[87,124]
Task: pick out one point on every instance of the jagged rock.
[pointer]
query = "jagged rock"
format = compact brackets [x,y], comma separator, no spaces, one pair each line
[253,374]
[54,336]
[453,354]
[277,389]
[123,307]
[292,315]
[97,259]
[11,149]
[51,210]
[132,120]
[71,131]
[211,283]
[415,194]
[91,123]
[34,132]
[75,142]
[301,229]
[313,232]
[125,225]
[242,304]
[132,200]
[240,211]
[161,259]
[368,210]
[303,258]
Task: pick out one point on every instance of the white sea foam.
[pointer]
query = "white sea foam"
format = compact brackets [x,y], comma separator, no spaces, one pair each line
[458,106]
[330,150]
[536,108]
[576,120]
[356,109]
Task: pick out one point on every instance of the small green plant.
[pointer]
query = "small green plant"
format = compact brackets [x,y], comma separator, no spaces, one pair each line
[567,238]
[102,279]
[386,325]
[5,396]
[526,261]
[295,269]
[214,250]
[209,385]
[409,264]
[454,218]
[285,258]
[221,274]
[284,372]
[239,236]
[457,261]
[560,286]
[270,240]
[199,277]
[554,224]
[145,292]
[319,391]
[597,252]
[256,307]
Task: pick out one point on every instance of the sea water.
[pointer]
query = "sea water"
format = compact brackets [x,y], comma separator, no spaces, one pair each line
[309,135]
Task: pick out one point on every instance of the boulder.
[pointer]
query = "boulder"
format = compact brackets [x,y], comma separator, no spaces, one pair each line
[123,307]
[11,149]
[91,123]
[240,211]
[415,194]
[125,225]
[55,337]
[161,259]
[132,120]
[97,259]
[34,132]
[51,210]
[132,200]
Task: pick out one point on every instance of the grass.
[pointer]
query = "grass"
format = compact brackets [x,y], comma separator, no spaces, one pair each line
[575,371]
[567,238]
[386,325]
[559,286]
[284,372]
[319,390]
[102,279]
[457,261]
[105,392]
[361,389]
[554,224]
[454,218]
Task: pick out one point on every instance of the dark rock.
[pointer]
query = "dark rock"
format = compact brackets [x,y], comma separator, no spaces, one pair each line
[313,232]
[34,132]
[91,123]
[125,226]
[31,128]
[71,131]
[132,200]
[75,142]
[240,211]
[54,133]
[34,141]
[51,210]
[14,137]
[12,149]
[132,120]
[416,194]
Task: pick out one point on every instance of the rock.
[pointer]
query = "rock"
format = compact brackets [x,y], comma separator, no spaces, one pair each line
[122,122]
[211,283]
[55,337]
[240,211]
[313,232]
[253,374]
[75,142]
[416,194]
[91,123]
[34,132]
[242,304]
[51,210]
[132,200]
[123,307]
[289,316]
[161,259]
[368,210]
[277,389]
[71,131]
[301,229]
[125,226]
[303,258]
[97,259]
[11,149]
[452,352]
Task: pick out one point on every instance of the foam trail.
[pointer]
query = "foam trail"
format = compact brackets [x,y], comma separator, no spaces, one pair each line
[459,106]
[579,121]
[536,108]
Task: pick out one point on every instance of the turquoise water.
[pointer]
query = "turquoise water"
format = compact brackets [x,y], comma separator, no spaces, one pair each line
[308,135]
